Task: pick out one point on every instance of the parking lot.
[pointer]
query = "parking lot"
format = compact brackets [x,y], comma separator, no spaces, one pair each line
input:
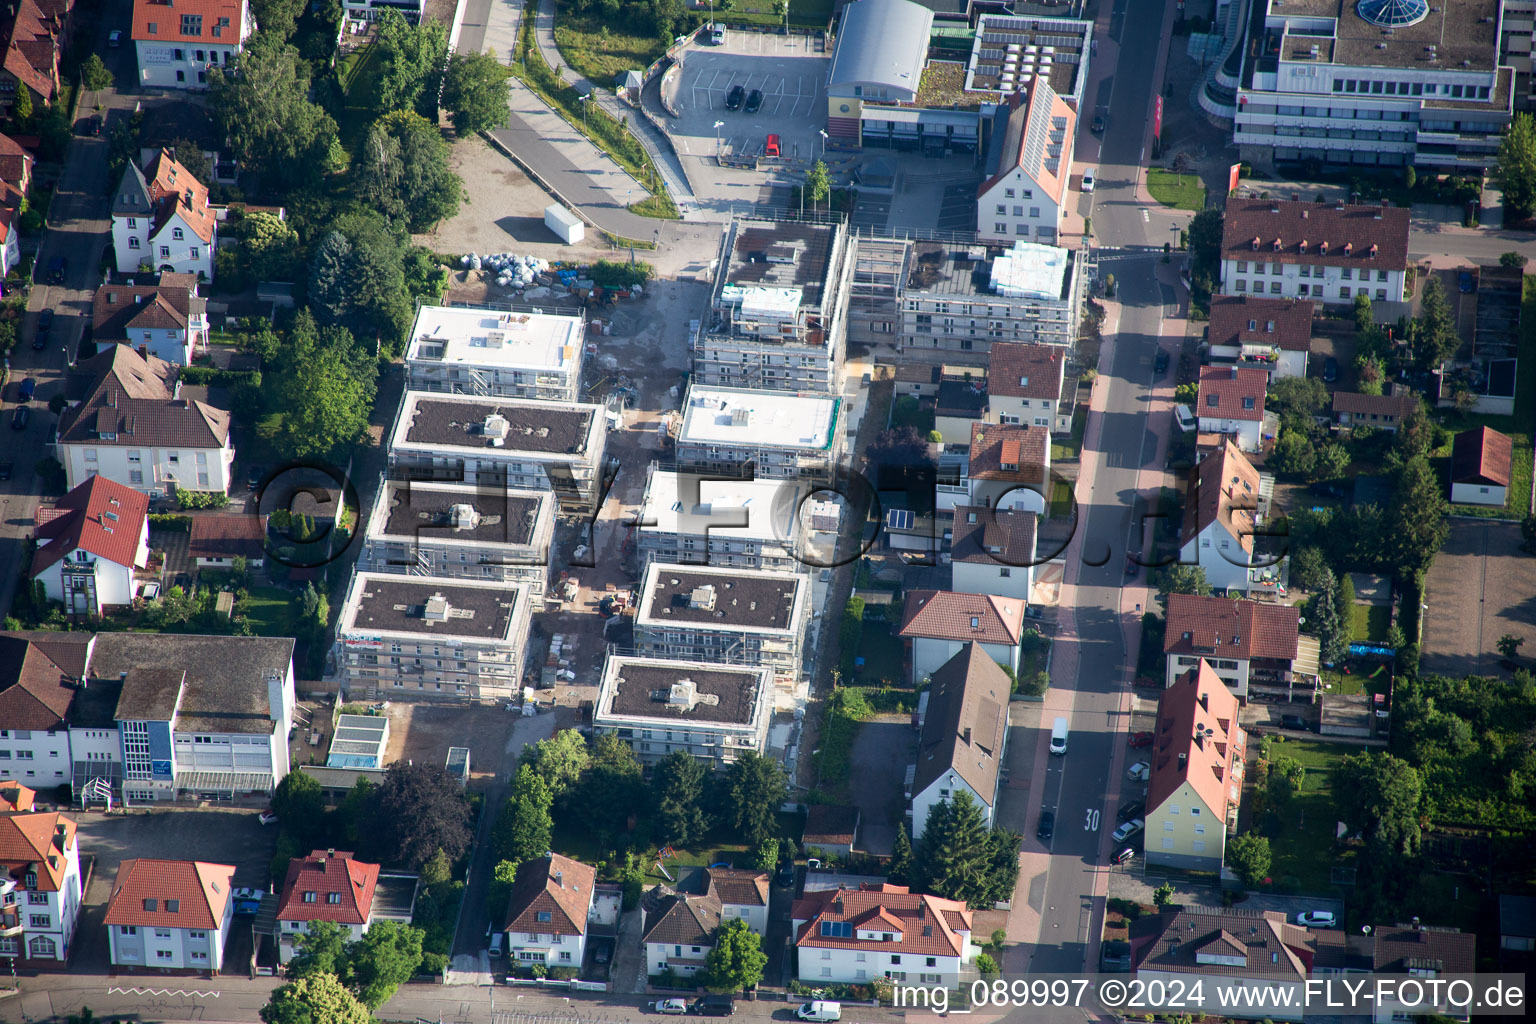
[1479,588]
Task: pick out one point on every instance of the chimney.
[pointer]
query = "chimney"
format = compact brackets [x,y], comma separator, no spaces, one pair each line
[1274,206]
[966,735]
[560,879]
[1296,198]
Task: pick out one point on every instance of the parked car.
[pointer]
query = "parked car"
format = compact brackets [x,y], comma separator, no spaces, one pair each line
[247,907]
[267,818]
[1088,179]
[115,38]
[713,1006]
[1131,809]
[6,468]
[1464,281]
[1132,567]
[56,268]
[498,944]
[28,389]
[1047,826]
[820,1011]
[669,1006]
[253,480]
[92,125]
[1160,362]
[1330,370]
[1128,829]
[1317,918]
[1125,856]
[734,97]
[1141,739]
[716,35]
[771,147]
[1139,772]
[601,954]
[786,875]
[1097,127]
[754,101]
[245,892]
[1293,722]
[44,328]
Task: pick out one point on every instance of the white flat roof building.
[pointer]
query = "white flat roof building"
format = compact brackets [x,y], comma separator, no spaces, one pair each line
[748,524]
[784,435]
[660,705]
[474,350]
[1030,270]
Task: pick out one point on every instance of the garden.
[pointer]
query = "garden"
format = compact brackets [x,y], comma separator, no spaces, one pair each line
[1180,191]
[1298,820]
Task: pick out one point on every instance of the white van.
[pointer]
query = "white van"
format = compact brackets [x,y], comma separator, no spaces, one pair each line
[1059,736]
[820,1012]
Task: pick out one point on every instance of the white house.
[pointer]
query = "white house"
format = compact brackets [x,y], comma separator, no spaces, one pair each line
[37,673]
[39,889]
[679,933]
[1269,334]
[161,219]
[992,551]
[742,893]
[134,428]
[857,935]
[1009,467]
[1251,645]
[546,916]
[733,616]
[1427,952]
[369,10]
[1223,508]
[751,524]
[783,435]
[1254,950]
[92,541]
[1480,462]
[168,320]
[1231,403]
[1028,162]
[170,916]
[180,43]
[940,623]
[327,885]
[1329,252]
[658,706]
[963,735]
[1024,387]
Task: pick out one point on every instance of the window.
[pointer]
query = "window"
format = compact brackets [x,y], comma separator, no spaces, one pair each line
[1381,275]
[162,933]
[1002,208]
[1212,401]
[1008,193]
[1344,291]
[197,55]
[333,897]
[191,24]
[194,253]
[163,954]
[1242,286]
[36,898]
[1034,211]
[1001,229]
[1274,287]
[1242,268]
[40,921]
[165,250]
[176,235]
[1347,274]
[154,28]
[197,934]
[127,929]
[309,897]
[1018,211]
[179,55]
[41,946]
[196,955]
[1167,826]
[895,959]
[826,972]
[133,243]
[543,916]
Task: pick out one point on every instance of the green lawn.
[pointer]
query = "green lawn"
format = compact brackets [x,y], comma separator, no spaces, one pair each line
[1519,504]
[1301,835]
[802,13]
[1180,191]
[1368,623]
[600,54]
[1071,447]
[270,611]
[359,77]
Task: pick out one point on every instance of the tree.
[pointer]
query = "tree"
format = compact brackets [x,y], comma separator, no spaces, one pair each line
[1297,400]
[951,858]
[299,804]
[1308,567]
[766,855]
[1509,645]
[1162,896]
[411,58]
[382,960]
[403,171]
[316,999]
[677,792]
[1325,624]
[475,92]
[523,828]
[417,809]
[1365,318]
[1410,177]
[1331,462]
[1416,526]
[21,109]
[269,247]
[1513,259]
[1205,242]
[1285,778]
[611,791]
[279,17]
[95,76]
[737,961]
[437,870]
[1379,796]
[559,760]
[900,868]
[1433,333]
[325,392]
[1248,855]
[1293,454]
[261,103]
[1184,579]
[756,788]
[322,949]
[818,183]
[986,964]
[1515,170]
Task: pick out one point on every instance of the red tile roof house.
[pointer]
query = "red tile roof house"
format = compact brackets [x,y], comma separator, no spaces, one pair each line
[1009,467]
[179,45]
[161,220]
[1249,644]
[33,41]
[215,540]
[680,927]
[992,551]
[168,320]
[1025,193]
[15,176]
[40,879]
[90,544]
[546,917]
[1221,515]
[1024,384]
[170,916]
[37,686]
[939,623]
[852,936]
[1380,412]
[1231,402]
[1324,251]
[1269,334]
[963,736]
[1480,464]
[330,885]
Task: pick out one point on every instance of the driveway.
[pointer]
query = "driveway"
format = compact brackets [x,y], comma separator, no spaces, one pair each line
[1480,588]
[881,753]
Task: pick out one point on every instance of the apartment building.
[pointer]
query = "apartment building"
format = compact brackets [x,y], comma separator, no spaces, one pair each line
[407,636]
[689,519]
[1261,333]
[1330,252]
[170,916]
[462,531]
[963,736]
[1029,159]
[1374,83]
[1027,386]
[778,317]
[775,435]
[40,889]
[960,298]
[659,706]
[728,616]
[497,353]
[1251,645]
[857,935]
[180,44]
[512,442]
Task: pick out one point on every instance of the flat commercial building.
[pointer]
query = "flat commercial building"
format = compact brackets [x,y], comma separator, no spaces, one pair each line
[748,524]
[432,637]
[474,350]
[462,531]
[709,711]
[1374,83]
[512,442]
[779,311]
[966,298]
[782,436]
[730,616]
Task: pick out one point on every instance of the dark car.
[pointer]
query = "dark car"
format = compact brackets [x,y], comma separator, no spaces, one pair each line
[1047,826]
[1131,809]
[1464,281]
[1160,362]
[713,1006]
[19,418]
[44,326]
[734,97]
[754,101]
[1097,127]
[6,468]
[1132,566]
[786,875]
[28,389]
[92,125]
[1330,370]
[1141,739]
[1293,722]
[56,268]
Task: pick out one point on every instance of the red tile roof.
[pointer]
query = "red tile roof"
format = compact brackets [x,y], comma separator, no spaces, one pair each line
[555,886]
[993,536]
[1025,371]
[174,190]
[1025,120]
[1238,320]
[830,825]
[926,925]
[1224,628]
[37,842]
[1481,456]
[104,517]
[170,894]
[32,691]
[1388,408]
[226,535]
[1231,393]
[325,873]
[995,445]
[32,40]
[684,920]
[166,305]
[963,729]
[1367,237]
[738,887]
[15,162]
[16,797]
[945,615]
[168,22]
[1183,750]
[1404,948]
[1223,488]
[126,394]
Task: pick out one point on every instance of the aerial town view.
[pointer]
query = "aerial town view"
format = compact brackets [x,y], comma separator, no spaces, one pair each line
[583,511]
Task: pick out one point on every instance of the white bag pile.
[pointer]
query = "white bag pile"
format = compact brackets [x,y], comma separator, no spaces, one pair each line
[512,270]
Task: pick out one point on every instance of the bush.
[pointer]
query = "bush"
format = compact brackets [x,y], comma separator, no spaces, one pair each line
[562,973]
[433,963]
[849,633]
[201,499]
[180,524]
[610,274]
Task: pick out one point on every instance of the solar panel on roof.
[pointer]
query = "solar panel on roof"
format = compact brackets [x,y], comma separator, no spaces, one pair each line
[899,519]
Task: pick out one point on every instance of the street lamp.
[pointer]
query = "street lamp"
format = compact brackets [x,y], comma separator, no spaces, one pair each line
[823,134]
[585,97]
[718,126]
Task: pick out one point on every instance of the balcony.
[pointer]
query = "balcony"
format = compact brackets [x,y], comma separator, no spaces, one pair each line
[10,921]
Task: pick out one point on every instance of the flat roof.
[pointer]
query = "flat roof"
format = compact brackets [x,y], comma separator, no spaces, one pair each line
[430,606]
[938,268]
[1053,47]
[524,425]
[1460,30]
[766,419]
[728,598]
[414,509]
[1030,271]
[475,336]
[660,688]
[771,254]
[764,508]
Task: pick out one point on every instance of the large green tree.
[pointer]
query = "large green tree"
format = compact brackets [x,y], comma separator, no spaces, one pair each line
[524,826]
[262,106]
[1324,622]
[1416,525]
[322,949]
[1205,243]
[1249,856]
[559,760]
[403,171]
[316,999]
[325,392]
[299,804]
[268,247]
[417,809]
[1515,171]
[279,17]
[1433,333]
[756,787]
[475,92]
[952,856]
[411,59]
[1379,796]
[383,959]
[737,960]
[610,792]
[94,74]
[677,793]
[1184,579]
[1297,400]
